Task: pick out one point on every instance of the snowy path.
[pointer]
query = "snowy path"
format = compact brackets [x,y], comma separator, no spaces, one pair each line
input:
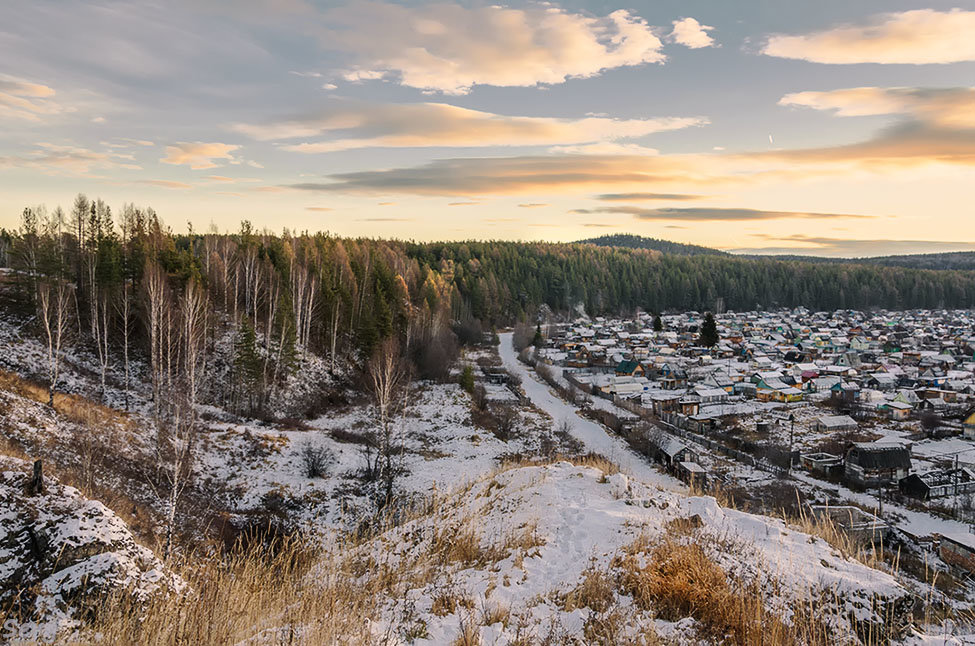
[593,435]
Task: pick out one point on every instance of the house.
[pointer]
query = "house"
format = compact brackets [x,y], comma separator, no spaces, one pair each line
[896,410]
[672,451]
[968,426]
[835,424]
[938,484]
[882,381]
[630,368]
[860,525]
[958,550]
[871,465]
[845,391]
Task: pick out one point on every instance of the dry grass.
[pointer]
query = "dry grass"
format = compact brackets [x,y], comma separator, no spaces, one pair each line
[74,407]
[266,598]
[680,581]
[597,591]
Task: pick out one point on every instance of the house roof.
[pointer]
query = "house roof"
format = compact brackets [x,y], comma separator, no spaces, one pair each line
[880,456]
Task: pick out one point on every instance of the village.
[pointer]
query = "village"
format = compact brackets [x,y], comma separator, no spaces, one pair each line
[869,415]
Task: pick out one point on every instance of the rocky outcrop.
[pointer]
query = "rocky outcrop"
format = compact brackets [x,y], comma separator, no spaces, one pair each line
[57,548]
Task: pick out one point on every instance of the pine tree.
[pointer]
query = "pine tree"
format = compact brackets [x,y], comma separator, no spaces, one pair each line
[247,361]
[658,325]
[539,340]
[467,379]
[709,331]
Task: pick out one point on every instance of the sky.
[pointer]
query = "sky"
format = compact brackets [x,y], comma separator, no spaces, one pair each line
[828,128]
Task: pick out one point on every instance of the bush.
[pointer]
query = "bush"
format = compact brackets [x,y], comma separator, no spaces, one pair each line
[506,420]
[315,460]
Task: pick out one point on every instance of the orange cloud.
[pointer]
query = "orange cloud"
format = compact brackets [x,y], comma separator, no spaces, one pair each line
[704,214]
[690,33]
[450,47]
[917,37]
[945,107]
[25,100]
[198,155]
[360,125]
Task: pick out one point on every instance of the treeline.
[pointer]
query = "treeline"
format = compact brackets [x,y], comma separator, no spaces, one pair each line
[223,318]
[503,281]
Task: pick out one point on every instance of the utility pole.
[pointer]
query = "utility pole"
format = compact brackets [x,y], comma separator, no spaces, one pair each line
[792,437]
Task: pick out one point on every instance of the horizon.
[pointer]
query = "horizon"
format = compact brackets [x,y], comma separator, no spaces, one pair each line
[838,131]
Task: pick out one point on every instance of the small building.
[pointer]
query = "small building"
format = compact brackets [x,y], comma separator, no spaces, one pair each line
[896,410]
[968,426]
[672,452]
[938,484]
[691,472]
[835,424]
[630,368]
[859,524]
[958,550]
[822,462]
[871,465]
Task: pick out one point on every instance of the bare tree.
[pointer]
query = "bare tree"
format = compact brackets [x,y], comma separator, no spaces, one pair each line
[54,298]
[388,382]
[506,420]
[178,386]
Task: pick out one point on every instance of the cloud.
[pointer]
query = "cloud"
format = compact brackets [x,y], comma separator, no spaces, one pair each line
[690,33]
[25,100]
[463,203]
[198,155]
[711,214]
[943,107]
[607,148]
[633,197]
[917,37]
[532,205]
[845,248]
[165,183]
[220,178]
[450,48]
[362,125]
[514,175]
[314,75]
[63,159]
[319,209]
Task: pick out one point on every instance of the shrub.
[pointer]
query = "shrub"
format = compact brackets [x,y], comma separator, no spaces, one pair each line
[315,460]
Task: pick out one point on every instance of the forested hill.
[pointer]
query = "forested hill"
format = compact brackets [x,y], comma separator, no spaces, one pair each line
[963,260]
[499,281]
[955,260]
[631,241]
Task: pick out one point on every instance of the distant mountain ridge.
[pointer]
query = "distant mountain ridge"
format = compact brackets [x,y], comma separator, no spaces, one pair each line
[631,241]
[953,260]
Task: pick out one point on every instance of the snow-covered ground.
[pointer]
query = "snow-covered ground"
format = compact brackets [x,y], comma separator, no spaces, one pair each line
[545,529]
[595,437]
